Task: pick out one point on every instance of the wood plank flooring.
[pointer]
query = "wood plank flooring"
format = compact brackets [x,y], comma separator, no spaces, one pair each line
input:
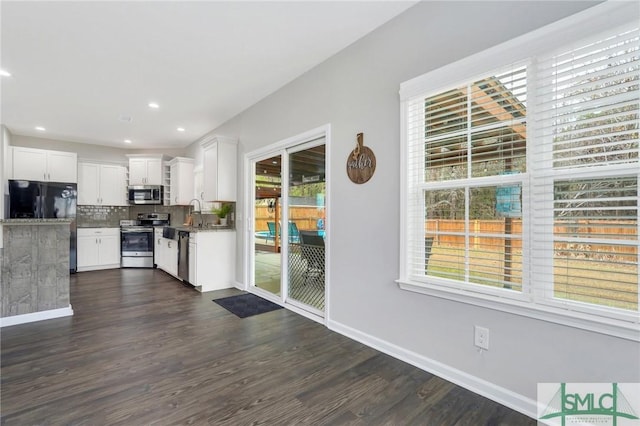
[142,349]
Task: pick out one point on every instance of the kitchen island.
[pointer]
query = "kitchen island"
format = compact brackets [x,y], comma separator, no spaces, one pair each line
[212,258]
[34,275]
[209,256]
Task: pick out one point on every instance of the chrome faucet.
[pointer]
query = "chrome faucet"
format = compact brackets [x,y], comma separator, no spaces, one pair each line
[199,211]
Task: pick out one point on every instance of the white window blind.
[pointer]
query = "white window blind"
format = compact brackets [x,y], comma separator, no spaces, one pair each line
[467,157]
[521,184]
[586,193]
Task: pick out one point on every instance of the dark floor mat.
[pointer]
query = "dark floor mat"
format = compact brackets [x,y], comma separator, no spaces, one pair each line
[246,305]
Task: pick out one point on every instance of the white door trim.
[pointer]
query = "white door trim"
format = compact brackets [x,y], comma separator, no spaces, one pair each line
[282,148]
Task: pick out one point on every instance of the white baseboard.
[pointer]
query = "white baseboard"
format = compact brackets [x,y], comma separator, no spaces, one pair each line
[36,316]
[496,393]
[97,267]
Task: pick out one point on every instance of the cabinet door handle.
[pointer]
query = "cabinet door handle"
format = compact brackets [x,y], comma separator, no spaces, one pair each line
[169,244]
[202,195]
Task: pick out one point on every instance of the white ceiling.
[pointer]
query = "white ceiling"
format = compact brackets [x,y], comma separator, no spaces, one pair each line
[79,67]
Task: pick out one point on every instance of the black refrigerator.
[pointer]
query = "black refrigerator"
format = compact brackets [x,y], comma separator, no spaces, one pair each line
[33,199]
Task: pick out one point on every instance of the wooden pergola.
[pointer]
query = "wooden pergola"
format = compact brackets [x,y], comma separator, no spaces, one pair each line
[491,102]
[302,164]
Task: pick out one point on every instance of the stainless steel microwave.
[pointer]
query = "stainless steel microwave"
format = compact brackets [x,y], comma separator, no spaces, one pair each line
[145,194]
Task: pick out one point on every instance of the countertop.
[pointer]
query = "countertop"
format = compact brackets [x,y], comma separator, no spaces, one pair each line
[212,228]
[32,221]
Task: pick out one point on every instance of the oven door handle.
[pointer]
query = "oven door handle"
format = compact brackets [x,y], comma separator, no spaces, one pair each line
[131,231]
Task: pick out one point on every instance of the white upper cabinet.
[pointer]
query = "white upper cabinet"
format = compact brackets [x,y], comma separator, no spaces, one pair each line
[88,184]
[198,189]
[102,184]
[219,167]
[145,169]
[113,185]
[44,165]
[181,181]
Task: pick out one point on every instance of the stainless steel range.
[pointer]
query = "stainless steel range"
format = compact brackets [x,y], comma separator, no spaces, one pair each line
[136,239]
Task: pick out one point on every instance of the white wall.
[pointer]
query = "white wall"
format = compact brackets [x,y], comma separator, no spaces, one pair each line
[4,169]
[357,91]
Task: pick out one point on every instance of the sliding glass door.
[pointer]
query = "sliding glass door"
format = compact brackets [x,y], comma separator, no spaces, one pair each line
[306,191]
[289,225]
[267,256]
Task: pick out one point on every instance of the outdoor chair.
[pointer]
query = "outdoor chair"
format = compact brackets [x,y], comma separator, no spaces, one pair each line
[312,251]
[272,231]
[294,234]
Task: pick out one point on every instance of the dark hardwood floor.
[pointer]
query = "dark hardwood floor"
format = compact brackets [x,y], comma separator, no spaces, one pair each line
[144,349]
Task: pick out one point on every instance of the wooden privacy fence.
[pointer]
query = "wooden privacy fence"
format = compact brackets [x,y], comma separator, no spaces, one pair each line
[305,217]
[442,229]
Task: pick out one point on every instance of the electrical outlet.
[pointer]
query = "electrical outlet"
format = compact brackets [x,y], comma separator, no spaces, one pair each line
[481,337]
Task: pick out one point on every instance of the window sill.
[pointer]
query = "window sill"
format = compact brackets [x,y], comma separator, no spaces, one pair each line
[629,330]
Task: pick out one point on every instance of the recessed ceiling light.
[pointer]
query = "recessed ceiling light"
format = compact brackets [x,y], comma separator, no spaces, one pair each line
[180,129]
[127,141]
[153,105]
[40,128]
[5,73]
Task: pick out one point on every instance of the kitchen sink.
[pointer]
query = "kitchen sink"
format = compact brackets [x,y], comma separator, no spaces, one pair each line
[169,232]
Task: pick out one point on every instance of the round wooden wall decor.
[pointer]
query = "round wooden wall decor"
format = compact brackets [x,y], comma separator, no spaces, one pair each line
[361,163]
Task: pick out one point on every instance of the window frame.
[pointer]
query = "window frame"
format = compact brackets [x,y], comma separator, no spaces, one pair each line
[532,301]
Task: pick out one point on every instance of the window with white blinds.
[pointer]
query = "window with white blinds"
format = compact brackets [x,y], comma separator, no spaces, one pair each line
[521,184]
[469,156]
[588,149]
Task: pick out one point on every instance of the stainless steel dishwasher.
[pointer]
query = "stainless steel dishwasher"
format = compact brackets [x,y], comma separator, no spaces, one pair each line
[183,255]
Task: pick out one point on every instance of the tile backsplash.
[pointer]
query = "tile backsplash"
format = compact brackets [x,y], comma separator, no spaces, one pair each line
[101,216]
[110,216]
[178,213]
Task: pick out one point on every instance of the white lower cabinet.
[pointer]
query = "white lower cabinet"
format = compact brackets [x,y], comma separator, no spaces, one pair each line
[212,258]
[171,260]
[158,258]
[165,253]
[214,261]
[193,265]
[98,248]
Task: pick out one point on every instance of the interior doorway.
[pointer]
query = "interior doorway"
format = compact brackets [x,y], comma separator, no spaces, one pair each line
[288,213]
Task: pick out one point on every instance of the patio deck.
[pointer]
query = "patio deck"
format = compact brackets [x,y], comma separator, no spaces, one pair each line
[305,289]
